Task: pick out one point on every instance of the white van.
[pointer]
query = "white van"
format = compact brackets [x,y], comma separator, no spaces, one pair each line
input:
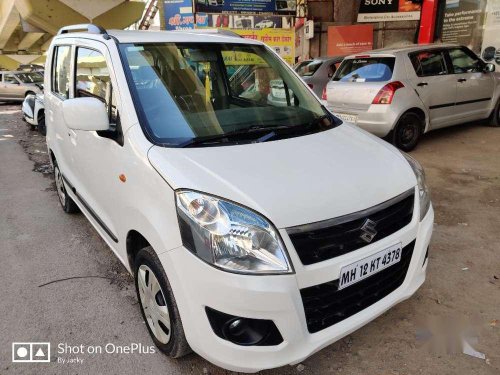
[257,233]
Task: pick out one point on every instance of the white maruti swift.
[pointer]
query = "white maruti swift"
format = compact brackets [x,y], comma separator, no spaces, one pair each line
[258,232]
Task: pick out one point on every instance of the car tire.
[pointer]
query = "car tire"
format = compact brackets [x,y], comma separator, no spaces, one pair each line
[159,310]
[407,131]
[68,205]
[42,129]
[495,116]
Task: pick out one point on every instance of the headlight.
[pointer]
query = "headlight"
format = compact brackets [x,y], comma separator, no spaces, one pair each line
[229,236]
[423,190]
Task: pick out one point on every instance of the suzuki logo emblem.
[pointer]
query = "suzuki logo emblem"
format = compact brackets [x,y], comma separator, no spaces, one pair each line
[368,230]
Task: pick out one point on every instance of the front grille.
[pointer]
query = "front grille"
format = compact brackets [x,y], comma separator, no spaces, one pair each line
[328,239]
[325,305]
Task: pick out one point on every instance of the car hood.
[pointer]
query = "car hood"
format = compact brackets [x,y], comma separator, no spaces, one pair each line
[293,181]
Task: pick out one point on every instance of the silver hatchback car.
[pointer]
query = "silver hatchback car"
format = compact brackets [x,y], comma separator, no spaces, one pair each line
[402,93]
[16,85]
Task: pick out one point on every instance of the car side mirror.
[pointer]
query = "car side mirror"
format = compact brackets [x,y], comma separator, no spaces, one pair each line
[85,114]
[489,68]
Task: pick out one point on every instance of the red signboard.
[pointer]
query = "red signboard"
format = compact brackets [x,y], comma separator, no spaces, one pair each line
[346,40]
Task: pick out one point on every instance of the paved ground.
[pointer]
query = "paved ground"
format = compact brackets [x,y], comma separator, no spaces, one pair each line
[39,244]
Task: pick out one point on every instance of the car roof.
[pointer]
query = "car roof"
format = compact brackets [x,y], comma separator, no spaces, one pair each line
[184,36]
[405,49]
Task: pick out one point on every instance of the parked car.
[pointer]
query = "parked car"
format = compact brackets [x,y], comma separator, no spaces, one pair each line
[318,72]
[34,112]
[405,92]
[16,85]
[257,233]
[35,68]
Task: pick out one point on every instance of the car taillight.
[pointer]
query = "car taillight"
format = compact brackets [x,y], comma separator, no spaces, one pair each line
[386,93]
[324,96]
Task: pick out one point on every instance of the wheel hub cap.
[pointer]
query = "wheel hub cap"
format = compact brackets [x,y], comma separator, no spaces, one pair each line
[153,304]
[61,192]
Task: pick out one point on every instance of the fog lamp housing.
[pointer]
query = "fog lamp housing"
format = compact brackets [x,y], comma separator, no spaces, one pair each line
[243,331]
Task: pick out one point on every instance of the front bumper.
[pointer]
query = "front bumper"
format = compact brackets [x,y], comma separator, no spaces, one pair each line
[277,298]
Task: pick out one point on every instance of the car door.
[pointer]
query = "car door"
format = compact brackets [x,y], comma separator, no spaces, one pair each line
[436,87]
[12,86]
[99,156]
[58,89]
[475,86]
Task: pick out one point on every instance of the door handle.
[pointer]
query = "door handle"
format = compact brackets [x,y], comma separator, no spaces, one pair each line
[462,79]
[421,84]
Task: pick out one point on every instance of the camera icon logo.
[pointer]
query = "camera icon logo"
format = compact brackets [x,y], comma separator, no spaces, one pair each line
[31,352]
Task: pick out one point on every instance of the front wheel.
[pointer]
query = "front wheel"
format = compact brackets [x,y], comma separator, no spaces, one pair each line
[68,205]
[407,132]
[158,306]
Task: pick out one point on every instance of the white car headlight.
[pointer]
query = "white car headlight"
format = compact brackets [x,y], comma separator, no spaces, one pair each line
[423,189]
[229,236]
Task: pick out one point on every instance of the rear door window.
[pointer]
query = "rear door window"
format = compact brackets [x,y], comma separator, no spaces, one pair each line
[61,71]
[366,69]
[308,68]
[429,63]
[9,78]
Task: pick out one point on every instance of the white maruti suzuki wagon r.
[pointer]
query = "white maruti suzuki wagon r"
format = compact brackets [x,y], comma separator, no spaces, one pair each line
[258,230]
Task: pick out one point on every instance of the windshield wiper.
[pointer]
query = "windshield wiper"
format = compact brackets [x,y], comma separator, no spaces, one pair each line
[234,134]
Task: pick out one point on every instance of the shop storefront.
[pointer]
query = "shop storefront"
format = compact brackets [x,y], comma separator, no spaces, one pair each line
[270,21]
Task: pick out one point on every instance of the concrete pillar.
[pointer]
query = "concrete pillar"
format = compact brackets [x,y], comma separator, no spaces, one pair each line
[9,19]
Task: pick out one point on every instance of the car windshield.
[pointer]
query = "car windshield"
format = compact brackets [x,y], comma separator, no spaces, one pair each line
[308,68]
[191,91]
[365,69]
[30,77]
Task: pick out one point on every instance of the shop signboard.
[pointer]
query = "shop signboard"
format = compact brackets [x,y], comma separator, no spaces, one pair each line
[178,14]
[388,10]
[278,7]
[346,40]
[281,40]
[491,40]
[463,23]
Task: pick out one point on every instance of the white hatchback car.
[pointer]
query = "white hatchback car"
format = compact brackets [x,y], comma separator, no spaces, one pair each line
[405,92]
[257,233]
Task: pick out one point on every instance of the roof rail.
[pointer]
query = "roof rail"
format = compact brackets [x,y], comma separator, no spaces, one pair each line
[211,31]
[91,28]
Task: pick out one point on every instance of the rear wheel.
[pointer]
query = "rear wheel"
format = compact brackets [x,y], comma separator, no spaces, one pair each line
[495,116]
[158,306]
[407,132]
[68,205]
[41,124]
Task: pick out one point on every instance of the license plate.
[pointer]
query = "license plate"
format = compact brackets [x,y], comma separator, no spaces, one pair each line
[347,117]
[366,267]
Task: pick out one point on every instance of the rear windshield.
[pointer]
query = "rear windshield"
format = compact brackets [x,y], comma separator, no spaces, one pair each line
[371,69]
[308,68]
